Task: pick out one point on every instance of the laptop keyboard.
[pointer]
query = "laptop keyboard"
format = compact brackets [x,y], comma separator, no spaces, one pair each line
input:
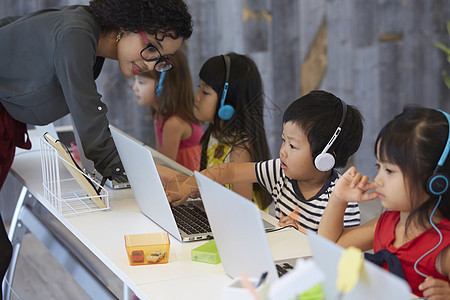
[191,219]
[121,179]
[283,268]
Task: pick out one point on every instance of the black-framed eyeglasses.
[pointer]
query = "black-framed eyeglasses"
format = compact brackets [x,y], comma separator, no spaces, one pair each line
[151,53]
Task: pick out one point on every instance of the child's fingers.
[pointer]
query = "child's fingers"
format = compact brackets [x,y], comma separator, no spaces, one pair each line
[282,221]
[365,185]
[369,186]
[195,194]
[364,180]
[350,172]
[369,196]
[356,180]
[175,198]
[285,220]
[435,288]
[177,202]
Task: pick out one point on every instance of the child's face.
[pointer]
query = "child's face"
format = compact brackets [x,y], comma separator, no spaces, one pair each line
[144,89]
[391,187]
[205,103]
[295,153]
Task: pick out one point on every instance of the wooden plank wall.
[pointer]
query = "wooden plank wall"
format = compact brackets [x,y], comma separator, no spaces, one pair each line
[377,55]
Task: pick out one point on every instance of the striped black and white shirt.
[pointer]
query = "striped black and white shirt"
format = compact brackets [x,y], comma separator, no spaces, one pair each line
[288,197]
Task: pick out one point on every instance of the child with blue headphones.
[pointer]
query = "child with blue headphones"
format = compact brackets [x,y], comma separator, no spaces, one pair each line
[170,97]
[230,99]
[320,133]
[412,238]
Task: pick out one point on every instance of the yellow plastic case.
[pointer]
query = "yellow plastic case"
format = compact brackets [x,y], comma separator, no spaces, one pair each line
[147,248]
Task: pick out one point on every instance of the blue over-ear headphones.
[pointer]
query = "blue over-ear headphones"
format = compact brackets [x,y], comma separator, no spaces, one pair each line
[160,84]
[438,182]
[226,111]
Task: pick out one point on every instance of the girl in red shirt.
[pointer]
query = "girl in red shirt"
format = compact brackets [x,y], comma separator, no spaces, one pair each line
[413,180]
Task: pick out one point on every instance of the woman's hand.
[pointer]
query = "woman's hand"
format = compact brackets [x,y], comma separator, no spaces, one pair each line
[435,289]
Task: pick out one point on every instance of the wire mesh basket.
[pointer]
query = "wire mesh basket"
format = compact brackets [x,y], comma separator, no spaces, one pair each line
[66,187]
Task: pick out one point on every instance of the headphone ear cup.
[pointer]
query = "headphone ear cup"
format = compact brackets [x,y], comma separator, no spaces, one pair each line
[226,112]
[437,184]
[324,162]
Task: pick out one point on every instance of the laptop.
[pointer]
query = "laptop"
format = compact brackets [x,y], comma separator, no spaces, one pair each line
[374,284]
[186,222]
[88,168]
[239,232]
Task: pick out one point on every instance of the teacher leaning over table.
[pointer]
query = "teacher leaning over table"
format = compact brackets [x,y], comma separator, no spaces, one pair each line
[49,60]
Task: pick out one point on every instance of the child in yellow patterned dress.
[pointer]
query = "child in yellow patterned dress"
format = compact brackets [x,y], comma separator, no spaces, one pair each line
[231,98]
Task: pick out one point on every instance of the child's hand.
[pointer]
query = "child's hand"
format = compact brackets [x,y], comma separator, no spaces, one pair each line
[179,191]
[435,289]
[354,187]
[286,221]
[176,198]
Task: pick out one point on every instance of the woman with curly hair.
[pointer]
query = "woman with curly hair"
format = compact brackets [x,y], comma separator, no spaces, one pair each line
[50,60]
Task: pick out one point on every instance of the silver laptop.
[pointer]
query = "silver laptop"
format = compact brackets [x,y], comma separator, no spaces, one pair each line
[185,222]
[239,232]
[88,168]
[375,284]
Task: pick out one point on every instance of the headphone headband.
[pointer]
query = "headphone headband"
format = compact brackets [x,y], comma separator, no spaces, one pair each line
[160,82]
[226,58]
[447,145]
[325,161]
[438,182]
[338,129]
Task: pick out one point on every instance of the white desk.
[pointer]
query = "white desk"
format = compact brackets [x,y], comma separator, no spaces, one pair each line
[103,233]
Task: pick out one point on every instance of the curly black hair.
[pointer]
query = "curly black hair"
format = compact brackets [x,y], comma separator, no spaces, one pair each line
[152,16]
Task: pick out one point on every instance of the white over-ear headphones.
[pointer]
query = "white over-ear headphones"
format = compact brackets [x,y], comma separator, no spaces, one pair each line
[325,161]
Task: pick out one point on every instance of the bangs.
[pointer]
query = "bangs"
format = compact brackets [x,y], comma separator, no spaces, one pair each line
[213,74]
[394,146]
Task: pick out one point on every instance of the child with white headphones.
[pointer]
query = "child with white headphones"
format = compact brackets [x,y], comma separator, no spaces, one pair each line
[412,238]
[320,133]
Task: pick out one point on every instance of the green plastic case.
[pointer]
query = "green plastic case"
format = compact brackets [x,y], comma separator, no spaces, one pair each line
[206,253]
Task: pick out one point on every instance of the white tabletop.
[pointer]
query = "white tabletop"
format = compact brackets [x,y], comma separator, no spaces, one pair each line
[102,232]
